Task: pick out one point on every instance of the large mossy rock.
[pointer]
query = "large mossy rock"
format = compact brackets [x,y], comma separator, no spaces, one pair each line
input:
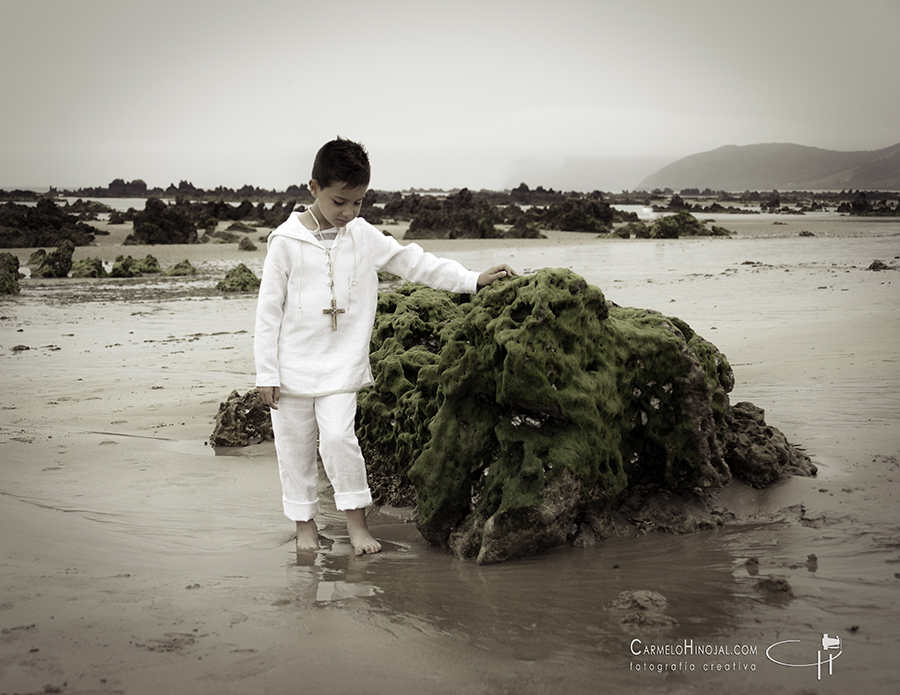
[524,411]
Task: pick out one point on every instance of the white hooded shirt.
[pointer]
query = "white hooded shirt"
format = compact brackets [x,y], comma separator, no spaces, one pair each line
[294,344]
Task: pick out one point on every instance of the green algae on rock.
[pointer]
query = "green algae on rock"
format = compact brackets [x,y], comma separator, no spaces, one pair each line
[89,268]
[239,279]
[9,274]
[181,268]
[523,412]
[683,224]
[56,264]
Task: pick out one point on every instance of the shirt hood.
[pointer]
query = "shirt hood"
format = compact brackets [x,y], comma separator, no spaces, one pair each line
[292,227]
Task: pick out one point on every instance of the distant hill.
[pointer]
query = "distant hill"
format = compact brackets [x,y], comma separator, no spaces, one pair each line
[781,166]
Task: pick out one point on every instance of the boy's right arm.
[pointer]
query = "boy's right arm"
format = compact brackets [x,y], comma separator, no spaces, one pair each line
[270,395]
[269,314]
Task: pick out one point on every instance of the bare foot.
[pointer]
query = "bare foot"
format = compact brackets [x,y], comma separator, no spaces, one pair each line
[307,535]
[360,538]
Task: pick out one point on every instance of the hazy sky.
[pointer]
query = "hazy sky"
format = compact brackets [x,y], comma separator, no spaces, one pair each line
[566,94]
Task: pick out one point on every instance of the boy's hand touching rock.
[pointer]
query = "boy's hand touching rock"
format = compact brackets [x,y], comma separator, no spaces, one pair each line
[495,273]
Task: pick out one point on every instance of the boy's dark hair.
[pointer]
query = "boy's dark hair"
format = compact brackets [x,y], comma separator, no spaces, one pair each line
[342,161]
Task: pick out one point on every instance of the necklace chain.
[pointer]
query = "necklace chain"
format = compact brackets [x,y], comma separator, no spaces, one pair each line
[333,309]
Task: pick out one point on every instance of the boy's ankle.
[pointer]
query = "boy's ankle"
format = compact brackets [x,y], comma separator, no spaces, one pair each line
[307,535]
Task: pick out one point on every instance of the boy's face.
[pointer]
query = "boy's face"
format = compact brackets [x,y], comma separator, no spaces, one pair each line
[337,203]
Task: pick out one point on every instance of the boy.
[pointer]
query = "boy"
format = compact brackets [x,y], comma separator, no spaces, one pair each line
[314,320]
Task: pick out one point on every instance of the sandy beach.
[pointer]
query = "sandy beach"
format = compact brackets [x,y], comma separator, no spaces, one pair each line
[137,559]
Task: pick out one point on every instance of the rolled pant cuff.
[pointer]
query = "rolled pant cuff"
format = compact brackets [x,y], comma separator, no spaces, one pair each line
[345,501]
[300,511]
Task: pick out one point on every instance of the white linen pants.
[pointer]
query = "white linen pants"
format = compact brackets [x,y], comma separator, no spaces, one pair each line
[297,424]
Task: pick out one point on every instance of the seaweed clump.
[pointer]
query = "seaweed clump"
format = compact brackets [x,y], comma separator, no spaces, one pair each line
[239,279]
[520,414]
[9,274]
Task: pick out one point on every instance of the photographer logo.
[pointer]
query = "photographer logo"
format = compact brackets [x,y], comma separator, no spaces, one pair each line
[828,650]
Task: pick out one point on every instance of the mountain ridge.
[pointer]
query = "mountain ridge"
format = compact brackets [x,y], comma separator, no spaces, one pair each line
[781,166]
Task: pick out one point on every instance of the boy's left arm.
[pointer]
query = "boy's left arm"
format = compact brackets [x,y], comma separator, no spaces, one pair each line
[411,262]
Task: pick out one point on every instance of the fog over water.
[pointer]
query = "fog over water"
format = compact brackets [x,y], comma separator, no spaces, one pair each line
[574,95]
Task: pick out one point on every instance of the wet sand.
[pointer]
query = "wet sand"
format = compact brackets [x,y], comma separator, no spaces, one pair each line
[135,560]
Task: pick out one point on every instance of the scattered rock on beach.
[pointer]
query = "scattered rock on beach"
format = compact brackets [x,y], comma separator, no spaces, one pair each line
[757,453]
[239,279]
[56,264]
[9,274]
[879,265]
[242,420]
[147,264]
[775,589]
[182,268]
[88,268]
[642,609]
[636,228]
[124,267]
[683,224]
[128,267]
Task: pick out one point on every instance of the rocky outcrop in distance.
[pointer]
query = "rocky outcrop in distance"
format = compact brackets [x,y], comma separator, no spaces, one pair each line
[162,224]
[43,224]
[206,216]
[118,188]
[457,216]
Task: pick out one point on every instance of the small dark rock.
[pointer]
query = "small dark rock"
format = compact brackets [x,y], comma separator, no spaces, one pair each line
[879,265]
[775,588]
[642,609]
[242,420]
[757,453]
